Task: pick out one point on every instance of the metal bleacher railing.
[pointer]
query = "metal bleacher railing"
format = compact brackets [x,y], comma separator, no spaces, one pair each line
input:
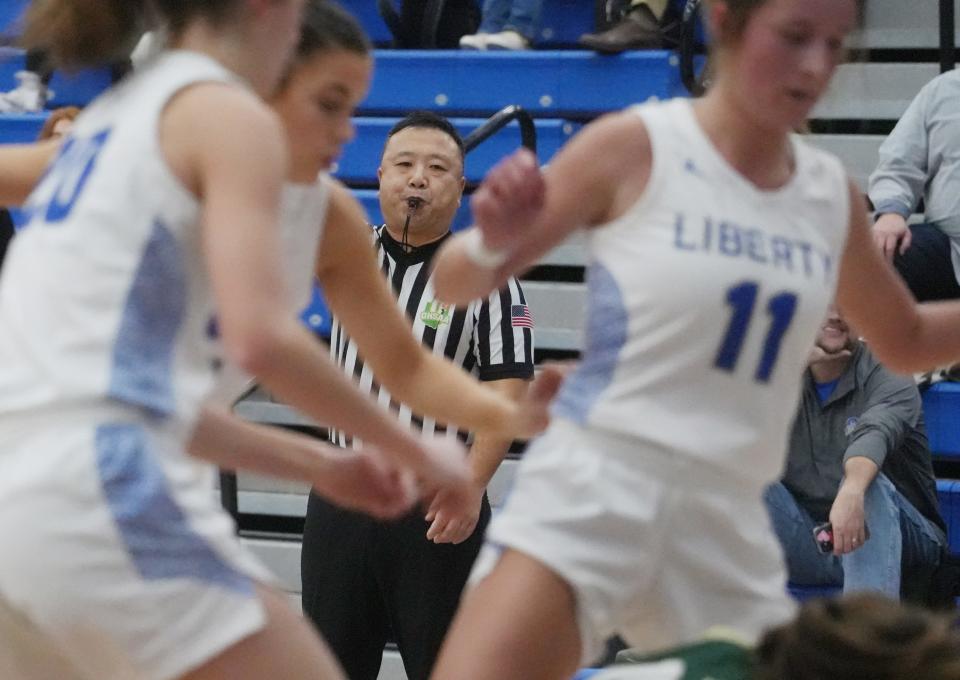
[691,45]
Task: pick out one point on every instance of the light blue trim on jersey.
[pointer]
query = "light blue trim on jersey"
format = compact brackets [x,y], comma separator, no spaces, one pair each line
[606,331]
[142,367]
[154,529]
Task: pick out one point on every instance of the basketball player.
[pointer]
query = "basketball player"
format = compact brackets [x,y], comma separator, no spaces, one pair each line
[160,208]
[717,239]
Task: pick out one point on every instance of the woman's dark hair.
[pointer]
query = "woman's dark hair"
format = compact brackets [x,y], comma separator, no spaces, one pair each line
[79,33]
[327,26]
[863,637]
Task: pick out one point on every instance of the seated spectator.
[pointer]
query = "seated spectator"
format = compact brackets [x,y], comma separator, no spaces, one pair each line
[506,25]
[920,159]
[858,458]
[861,637]
[645,25]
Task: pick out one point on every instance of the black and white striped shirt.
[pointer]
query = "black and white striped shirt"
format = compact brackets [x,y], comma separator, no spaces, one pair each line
[492,338]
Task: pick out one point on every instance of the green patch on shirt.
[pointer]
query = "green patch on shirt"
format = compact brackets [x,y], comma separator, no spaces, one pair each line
[435,314]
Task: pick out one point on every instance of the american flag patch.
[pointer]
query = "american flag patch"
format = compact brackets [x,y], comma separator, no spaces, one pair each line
[520,316]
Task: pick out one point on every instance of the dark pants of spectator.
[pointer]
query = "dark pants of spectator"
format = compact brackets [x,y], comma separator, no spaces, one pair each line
[366,582]
[926,266]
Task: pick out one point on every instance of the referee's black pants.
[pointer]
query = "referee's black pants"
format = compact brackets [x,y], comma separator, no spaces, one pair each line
[367,582]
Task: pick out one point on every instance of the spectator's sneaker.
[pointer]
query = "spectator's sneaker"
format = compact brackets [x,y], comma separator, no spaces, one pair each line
[637,30]
[29,96]
[477,41]
[507,40]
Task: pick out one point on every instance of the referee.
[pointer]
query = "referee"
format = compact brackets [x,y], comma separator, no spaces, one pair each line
[365,581]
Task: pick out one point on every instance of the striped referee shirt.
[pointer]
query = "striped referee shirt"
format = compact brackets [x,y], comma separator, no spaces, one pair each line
[491,339]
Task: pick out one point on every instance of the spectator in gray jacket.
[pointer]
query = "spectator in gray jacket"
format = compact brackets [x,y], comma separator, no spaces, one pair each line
[921,159]
[858,458]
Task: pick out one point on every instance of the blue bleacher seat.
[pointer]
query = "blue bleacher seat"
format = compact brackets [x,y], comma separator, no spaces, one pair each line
[10,13]
[19,128]
[562,22]
[948,494]
[317,315]
[78,89]
[362,156]
[369,17]
[12,60]
[549,84]
[802,593]
[941,408]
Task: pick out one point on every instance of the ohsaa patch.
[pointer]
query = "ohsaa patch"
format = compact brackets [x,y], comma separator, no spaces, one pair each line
[435,314]
[850,425]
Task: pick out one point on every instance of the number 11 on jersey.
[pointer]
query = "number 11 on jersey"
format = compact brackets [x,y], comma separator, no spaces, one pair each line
[742,298]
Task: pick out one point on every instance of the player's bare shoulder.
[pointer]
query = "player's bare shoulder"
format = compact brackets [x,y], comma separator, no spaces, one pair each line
[622,149]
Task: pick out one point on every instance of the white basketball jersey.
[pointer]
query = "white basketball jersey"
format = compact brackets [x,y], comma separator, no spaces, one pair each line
[705,299]
[303,214]
[104,295]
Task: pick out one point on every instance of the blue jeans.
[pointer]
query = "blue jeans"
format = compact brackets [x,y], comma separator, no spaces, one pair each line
[899,536]
[513,15]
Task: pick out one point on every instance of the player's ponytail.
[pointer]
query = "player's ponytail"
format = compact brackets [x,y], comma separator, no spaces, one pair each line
[77,33]
[326,26]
